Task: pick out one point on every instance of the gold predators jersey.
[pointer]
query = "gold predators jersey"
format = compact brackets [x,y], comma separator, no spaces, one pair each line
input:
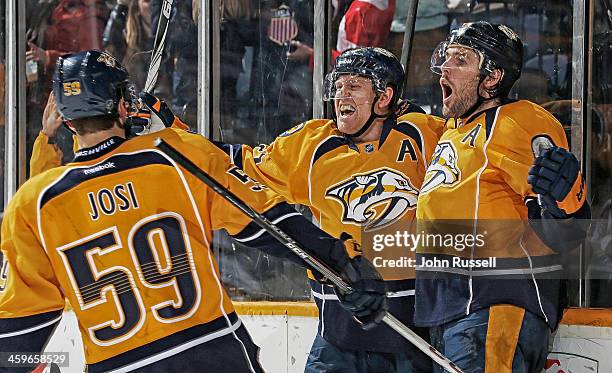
[478,174]
[45,155]
[124,234]
[349,187]
[473,159]
[353,188]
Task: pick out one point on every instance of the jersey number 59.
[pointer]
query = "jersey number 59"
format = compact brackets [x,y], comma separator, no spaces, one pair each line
[93,285]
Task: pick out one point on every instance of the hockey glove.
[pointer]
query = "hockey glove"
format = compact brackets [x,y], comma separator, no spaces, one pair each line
[552,176]
[152,116]
[367,300]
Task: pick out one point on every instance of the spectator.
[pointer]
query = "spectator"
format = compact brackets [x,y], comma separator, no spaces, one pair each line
[180,66]
[281,87]
[68,28]
[238,30]
[128,37]
[56,27]
[362,24]
[365,24]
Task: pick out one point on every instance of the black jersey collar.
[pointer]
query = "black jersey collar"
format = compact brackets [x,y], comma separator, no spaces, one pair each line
[105,147]
[388,125]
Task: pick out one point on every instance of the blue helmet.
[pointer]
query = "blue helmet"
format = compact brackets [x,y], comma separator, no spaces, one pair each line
[89,84]
[377,64]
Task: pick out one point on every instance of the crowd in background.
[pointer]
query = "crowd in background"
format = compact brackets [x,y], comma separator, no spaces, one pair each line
[266,77]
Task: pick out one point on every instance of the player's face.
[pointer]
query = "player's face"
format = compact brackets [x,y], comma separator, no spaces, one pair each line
[459,81]
[353,102]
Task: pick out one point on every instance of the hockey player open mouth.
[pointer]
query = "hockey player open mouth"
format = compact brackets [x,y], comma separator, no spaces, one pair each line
[447,90]
[346,110]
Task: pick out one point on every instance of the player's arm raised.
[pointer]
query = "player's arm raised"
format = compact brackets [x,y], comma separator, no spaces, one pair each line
[274,164]
[281,165]
[45,153]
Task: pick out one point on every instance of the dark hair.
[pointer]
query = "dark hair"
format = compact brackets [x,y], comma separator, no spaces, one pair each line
[95,124]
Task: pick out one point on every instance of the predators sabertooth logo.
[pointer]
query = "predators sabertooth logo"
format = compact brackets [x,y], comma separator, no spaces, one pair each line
[107,59]
[443,168]
[376,199]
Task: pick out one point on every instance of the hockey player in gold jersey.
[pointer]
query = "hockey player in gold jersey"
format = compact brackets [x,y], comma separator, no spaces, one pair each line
[493,160]
[124,234]
[361,171]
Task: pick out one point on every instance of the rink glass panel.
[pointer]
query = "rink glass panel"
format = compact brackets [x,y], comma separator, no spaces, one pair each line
[599,244]
[261,93]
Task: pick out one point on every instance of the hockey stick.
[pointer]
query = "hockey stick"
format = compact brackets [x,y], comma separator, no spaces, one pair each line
[294,246]
[158,45]
[139,121]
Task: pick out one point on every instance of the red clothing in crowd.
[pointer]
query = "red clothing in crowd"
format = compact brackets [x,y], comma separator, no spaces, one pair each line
[365,24]
[74,25]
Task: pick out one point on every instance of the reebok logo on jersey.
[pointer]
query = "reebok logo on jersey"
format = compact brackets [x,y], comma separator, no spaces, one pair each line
[99,168]
[376,199]
[443,168]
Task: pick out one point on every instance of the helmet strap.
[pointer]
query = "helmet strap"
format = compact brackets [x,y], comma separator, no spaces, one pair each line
[371,119]
[481,100]
[68,125]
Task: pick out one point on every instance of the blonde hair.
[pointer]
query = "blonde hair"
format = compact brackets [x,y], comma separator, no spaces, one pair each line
[134,30]
[235,9]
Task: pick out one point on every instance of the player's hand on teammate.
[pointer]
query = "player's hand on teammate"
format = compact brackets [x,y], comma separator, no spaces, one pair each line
[367,300]
[51,119]
[152,116]
[552,176]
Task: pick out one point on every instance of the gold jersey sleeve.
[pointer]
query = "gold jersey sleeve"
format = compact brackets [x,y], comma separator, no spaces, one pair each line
[512,148]
[30,284]
[528,129]
[283,165]
[45,155]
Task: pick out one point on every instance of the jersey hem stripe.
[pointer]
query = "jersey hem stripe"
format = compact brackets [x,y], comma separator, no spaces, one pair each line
[32,329]
[390,294]
[180,348]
